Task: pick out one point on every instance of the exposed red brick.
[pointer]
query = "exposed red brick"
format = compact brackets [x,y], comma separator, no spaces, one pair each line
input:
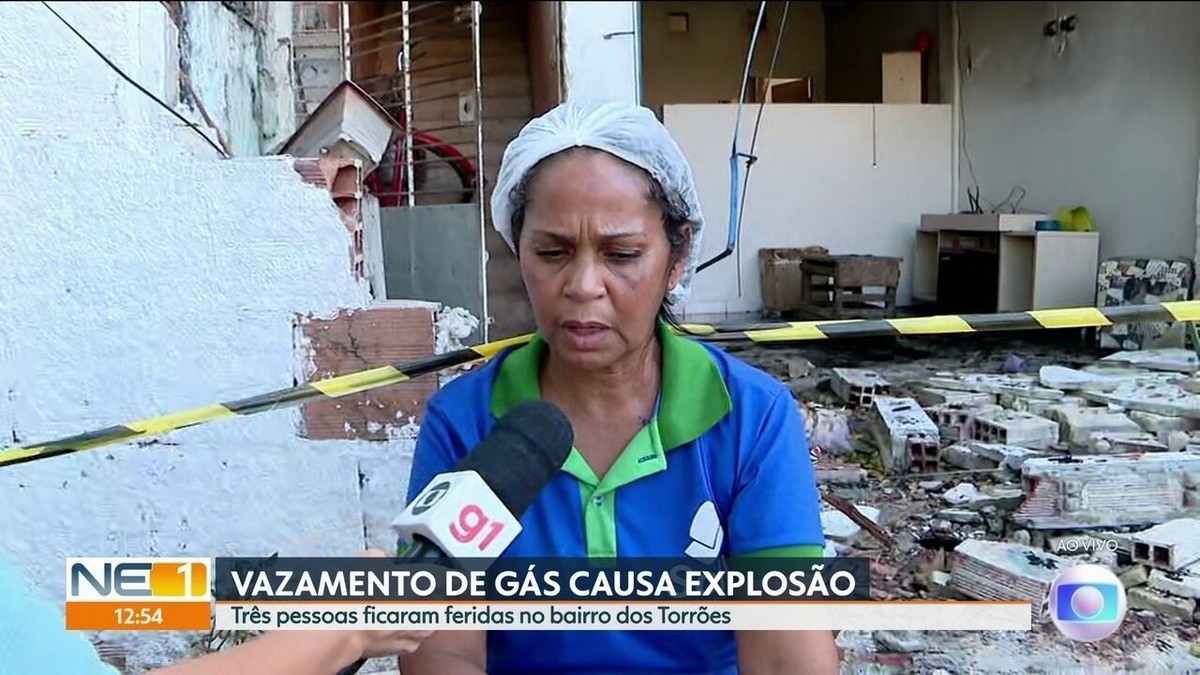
[357,340]
[342,177]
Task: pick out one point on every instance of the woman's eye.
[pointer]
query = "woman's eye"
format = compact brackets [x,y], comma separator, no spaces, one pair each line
[625,255]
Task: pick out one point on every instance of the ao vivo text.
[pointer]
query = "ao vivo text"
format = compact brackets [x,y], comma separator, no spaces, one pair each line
[1084,545]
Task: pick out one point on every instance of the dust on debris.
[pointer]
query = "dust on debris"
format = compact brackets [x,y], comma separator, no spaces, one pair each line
[1004,414]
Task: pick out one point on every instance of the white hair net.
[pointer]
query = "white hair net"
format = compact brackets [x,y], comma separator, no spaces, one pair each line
[628,131]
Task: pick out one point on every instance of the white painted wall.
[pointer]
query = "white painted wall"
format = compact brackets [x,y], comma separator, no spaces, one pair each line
[143,275]
[852,178]
[593,65]
[1112,124]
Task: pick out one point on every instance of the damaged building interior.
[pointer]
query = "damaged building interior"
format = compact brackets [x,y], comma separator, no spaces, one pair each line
[963,234]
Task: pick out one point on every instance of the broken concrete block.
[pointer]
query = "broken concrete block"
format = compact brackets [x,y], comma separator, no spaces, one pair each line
[939,581]
[1182,584]
[841,476]
[962,456]
[997,384]
[1057,410]
[907,438]
[932,396]
[1176,360]
[1020,537]
[838,526]
[1108,491]
[857,386]
[1134,576]
[992,570]
[1078,424]
[1154,397]
[1165,606]
[956,421]
[999,498]
[1034,406]
[1124,443]
[963,493]
[963,516]
[967,496]
[828,429]
[1011,457]
[1014,428]
[1170,546]
[1161,425]
[1058,377]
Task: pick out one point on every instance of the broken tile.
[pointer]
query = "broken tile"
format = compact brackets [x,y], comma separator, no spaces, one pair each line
[907,438]
[1108,491]
[1170,546]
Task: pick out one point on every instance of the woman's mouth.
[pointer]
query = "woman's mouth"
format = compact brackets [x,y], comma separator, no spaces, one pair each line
[584,334]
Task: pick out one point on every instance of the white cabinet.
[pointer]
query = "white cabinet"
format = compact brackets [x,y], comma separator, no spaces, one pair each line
[1024,268]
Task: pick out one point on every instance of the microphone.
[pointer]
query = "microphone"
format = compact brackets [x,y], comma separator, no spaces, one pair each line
[475,510]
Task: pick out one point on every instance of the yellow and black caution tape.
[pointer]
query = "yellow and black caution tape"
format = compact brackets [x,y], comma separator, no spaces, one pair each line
[382,376]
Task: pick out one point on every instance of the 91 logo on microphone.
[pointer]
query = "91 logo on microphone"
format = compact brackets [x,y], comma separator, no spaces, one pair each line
[472,522]
[461,515]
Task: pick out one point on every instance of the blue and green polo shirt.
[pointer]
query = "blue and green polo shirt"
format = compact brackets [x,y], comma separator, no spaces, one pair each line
[722,469]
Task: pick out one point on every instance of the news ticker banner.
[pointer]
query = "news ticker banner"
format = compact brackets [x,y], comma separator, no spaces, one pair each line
[178,594]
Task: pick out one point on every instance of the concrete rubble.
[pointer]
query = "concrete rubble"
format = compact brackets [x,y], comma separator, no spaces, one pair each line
[988,483]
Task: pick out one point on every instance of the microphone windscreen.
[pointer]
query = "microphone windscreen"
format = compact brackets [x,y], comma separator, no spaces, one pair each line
[522,453]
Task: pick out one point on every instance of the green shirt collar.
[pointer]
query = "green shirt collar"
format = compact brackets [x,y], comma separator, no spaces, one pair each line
[694,395]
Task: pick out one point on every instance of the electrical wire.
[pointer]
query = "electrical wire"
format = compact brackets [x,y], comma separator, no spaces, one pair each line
[736,196]
[137,86]
[762,104]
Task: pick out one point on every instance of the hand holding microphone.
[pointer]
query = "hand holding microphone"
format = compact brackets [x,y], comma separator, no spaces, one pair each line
[474,512]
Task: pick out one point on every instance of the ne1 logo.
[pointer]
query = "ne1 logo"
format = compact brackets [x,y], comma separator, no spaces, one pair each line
[138,579]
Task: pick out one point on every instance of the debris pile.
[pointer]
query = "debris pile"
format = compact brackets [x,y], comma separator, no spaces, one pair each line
[987,485]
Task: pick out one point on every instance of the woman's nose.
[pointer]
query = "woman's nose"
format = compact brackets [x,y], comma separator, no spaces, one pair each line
[585,279]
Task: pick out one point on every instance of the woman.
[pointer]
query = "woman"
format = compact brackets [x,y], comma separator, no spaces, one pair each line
[680,449]
[32,640]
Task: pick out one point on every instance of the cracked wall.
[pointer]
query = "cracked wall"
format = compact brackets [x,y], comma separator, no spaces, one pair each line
[240,68]
[149,276]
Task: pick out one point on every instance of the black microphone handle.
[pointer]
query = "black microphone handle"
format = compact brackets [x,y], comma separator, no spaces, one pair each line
[420,549]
